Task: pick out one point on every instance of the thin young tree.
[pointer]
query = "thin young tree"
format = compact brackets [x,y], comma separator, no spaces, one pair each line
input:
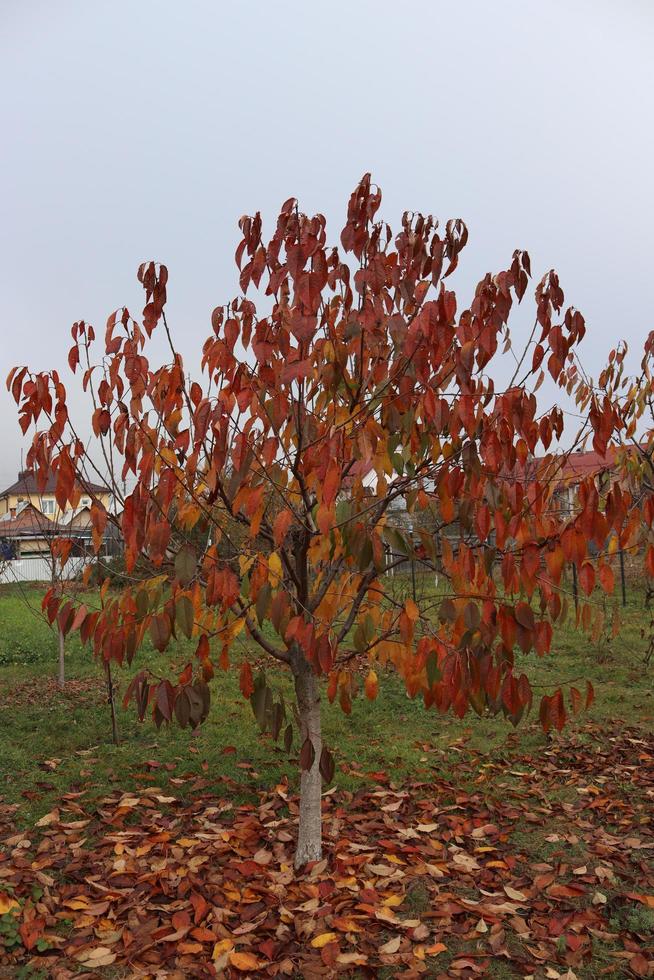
[57,543]
[52,553]
[342,382]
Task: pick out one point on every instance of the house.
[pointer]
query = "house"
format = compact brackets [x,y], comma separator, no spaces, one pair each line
[28,534]
[31,519]
[576,467]
[25,491]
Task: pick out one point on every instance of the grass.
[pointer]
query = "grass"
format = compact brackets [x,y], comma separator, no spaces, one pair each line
[532,843]
[59,742]
[635,918]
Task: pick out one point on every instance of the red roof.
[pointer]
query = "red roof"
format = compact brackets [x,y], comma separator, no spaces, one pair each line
[579,465]
[30,522]
[567,468]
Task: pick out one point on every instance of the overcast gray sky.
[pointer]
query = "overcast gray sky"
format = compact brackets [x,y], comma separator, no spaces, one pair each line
[138,130]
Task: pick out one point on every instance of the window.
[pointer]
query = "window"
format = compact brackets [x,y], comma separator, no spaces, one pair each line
[48,506]
[85,502]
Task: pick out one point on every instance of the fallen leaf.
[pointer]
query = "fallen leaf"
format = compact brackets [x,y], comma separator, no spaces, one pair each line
[7,904]
[221,947]
[319,941]
[244,961]
[647,900]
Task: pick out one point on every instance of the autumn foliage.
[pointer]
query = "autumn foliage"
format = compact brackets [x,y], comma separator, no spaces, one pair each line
[343,382]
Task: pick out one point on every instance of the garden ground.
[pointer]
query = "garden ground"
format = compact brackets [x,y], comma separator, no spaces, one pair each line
[453,848]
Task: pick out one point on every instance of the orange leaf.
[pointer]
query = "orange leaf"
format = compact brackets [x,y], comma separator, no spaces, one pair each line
[647,900]
[371,685]
[435,949]
[412,610]
[331,483]
[244,961]
[649,560]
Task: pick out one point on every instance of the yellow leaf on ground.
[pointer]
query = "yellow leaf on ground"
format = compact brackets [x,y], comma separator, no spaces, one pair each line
[221,947]
[319,941]
[7,904]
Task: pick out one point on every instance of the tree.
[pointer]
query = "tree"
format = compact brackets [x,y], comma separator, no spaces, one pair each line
[354,385]
[58,605]
[54,551]
[632,458]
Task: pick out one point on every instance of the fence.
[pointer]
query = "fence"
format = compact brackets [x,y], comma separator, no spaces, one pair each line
[39,569]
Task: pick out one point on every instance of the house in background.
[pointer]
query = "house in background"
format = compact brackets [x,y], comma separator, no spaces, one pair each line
[25,491]
[29,534]
[31,520]
[577,467]
[565,472]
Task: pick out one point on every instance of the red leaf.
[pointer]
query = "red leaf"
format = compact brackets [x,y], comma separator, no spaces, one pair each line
[331,483]
[587,577]
[281,525]
[246,682]
[73,357]
[31,931]
[607,579]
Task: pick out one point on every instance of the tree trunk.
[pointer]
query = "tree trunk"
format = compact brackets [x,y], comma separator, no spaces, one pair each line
[112,704]
[309,842]
[61,680]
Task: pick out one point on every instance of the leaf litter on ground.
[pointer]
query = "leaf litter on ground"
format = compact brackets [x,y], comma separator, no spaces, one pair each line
[544,865]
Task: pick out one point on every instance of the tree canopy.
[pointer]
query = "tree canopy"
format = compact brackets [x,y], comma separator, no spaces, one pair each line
[344,381]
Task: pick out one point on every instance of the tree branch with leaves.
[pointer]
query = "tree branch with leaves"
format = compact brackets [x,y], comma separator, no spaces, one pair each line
[342,380]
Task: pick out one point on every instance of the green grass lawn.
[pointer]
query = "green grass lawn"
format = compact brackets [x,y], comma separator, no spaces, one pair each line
[54,742]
